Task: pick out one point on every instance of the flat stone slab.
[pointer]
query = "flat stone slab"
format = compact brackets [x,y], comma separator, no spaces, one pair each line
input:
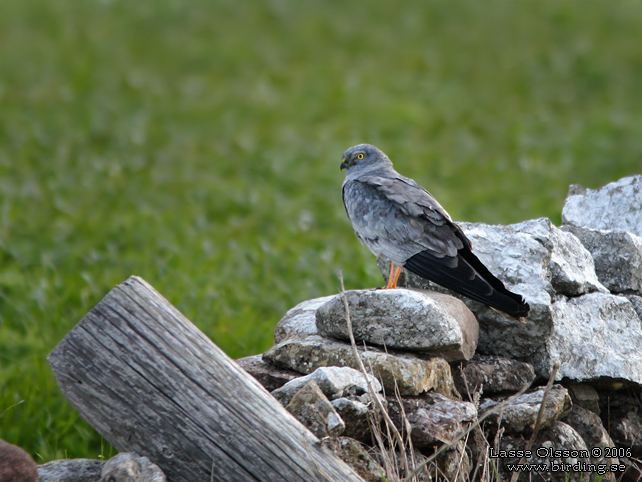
[422,321]
[413,375]
[615,206]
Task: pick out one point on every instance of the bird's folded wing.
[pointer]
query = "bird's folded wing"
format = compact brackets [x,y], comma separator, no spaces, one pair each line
[408,215]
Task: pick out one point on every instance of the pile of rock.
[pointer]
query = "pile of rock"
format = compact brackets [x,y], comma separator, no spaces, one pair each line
[425,350]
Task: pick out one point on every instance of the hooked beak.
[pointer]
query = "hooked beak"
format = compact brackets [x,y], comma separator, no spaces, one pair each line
[343,164]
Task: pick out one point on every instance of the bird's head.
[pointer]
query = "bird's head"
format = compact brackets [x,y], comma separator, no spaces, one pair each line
[362,157]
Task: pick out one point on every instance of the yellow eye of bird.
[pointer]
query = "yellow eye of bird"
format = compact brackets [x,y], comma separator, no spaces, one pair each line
[359,156]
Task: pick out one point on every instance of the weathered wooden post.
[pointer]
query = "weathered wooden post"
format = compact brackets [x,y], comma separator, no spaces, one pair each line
[150,382]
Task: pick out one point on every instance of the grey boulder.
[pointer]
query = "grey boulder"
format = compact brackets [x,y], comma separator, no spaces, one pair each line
[622,417]
[615,206]
[595,336]
[422,321]
[131,467]
[357,457]
[519,414]
[334,382]
[617,255]
[571,266]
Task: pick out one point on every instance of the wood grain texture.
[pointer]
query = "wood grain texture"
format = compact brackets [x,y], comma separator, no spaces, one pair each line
[150,382]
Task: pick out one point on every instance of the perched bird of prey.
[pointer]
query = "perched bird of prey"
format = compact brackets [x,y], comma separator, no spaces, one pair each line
[399,220]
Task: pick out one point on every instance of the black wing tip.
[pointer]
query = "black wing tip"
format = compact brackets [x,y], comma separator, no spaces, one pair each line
[485,288]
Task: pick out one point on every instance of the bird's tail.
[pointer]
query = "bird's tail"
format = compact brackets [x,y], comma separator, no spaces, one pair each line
[467,276]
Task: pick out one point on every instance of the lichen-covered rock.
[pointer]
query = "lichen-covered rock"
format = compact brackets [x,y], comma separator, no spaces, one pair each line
[16,465]
[71,470]
[421,321]
[433,418]
[268,375]
[595,336]
[495,374]
[411,374]
[334,382]
[615,206]
[520,414]
[300,321]
[131,467]
[312,408]
[617,255]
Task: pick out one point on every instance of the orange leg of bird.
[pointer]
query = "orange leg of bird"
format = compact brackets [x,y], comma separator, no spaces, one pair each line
[395,271]
[390,277]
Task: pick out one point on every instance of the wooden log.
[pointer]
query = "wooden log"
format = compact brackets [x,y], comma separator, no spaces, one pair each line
[150,382]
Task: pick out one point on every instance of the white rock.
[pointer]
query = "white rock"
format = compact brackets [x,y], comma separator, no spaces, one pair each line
[595,335]
[334,382]
[571,265]
[617,205]
[617,255]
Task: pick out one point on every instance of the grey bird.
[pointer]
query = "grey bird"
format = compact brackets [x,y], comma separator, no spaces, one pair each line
[399,220]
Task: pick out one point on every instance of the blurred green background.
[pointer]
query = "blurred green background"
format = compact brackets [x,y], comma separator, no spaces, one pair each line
[197,144]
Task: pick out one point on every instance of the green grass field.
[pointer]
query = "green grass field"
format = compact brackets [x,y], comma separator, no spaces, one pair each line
[197,144]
